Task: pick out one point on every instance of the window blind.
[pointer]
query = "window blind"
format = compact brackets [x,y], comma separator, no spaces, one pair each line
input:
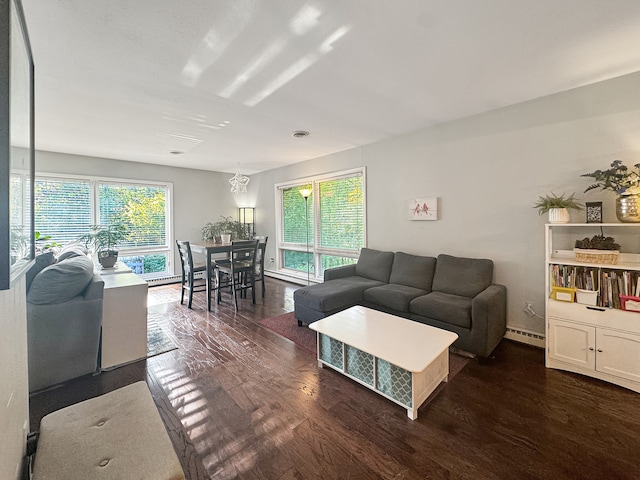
[341,213]
[141,208]
[63,208]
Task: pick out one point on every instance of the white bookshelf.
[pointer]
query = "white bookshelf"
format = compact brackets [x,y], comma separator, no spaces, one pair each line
[592,340]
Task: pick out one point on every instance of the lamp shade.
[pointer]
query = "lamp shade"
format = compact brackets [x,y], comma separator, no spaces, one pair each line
[245,214]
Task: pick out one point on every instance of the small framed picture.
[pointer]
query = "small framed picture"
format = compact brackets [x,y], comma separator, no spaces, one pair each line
[425,208]
[594,212]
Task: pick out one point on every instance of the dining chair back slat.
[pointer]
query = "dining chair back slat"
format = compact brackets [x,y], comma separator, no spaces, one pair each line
[189,282]
[240,272]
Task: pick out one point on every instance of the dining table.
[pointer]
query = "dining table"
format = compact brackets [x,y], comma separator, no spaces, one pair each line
[209,248]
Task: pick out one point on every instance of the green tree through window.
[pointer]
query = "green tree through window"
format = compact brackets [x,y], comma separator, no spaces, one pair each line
[336,223]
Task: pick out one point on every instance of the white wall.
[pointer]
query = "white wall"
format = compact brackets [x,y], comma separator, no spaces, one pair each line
[199,196]
[14,384]
[487,171]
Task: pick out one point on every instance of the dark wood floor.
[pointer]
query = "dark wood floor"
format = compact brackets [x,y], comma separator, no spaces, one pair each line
[242,402]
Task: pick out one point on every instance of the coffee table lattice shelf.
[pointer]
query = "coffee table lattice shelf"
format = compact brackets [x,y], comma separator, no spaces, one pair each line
[400,359]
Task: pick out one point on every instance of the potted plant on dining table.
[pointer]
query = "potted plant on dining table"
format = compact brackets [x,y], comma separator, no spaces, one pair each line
[224,230]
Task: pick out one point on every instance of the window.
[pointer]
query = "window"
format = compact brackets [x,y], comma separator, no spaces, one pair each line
[325,231]
[68,207]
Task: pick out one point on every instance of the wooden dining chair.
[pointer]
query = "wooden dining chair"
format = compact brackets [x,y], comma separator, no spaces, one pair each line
[239,274]
[190,283]
[262,247]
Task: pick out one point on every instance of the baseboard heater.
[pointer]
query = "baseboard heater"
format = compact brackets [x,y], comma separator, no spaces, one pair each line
[525,336]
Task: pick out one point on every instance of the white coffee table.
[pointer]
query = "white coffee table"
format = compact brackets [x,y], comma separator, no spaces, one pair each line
[398,358]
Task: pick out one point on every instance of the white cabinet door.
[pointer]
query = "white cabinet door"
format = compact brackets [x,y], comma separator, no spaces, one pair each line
[618,354]
[572,343]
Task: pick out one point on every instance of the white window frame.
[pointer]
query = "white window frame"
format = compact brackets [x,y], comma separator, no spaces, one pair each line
[314,249]
[127,251]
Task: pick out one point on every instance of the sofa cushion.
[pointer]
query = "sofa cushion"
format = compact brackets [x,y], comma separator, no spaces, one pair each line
[374,264]
[394,296]
[466,277]
[451,309]
[71,250]
[61,281]
[335,294]
[42,261]
[413,271]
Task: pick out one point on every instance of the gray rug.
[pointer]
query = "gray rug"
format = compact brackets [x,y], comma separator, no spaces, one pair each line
[157,340]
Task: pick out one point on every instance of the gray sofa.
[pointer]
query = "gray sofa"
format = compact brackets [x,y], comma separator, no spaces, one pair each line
[452,293]
[64,318]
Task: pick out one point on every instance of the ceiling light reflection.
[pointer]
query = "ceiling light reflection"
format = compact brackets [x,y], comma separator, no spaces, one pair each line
[216,41]
[255,66]
[298,67]
[304,20]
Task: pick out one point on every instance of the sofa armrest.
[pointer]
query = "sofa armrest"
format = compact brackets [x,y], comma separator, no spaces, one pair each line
[340,272]
[489,316]
[95,289]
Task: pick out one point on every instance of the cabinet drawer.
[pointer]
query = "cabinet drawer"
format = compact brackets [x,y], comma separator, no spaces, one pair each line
[596,316]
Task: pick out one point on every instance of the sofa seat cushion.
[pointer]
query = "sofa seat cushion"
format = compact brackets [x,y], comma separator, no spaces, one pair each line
[61,281]
[374,264]
[466,277]
[445,307]
[335,294]
[394,296]
[413,271]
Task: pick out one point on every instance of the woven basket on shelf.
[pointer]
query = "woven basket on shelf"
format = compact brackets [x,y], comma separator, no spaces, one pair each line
[609,257]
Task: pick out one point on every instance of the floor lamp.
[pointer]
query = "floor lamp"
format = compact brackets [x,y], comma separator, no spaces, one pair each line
[306,193]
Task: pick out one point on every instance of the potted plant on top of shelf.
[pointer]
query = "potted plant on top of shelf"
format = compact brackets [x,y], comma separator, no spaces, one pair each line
[597,249]
[103,240]
[557,206]
[625,182]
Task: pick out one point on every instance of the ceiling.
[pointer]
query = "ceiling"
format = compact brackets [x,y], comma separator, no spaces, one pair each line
[226,82]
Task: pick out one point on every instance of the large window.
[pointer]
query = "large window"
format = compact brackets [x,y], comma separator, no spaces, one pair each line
[65,208]
[327,229]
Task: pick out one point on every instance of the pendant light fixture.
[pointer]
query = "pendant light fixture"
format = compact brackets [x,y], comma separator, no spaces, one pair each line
[239,182]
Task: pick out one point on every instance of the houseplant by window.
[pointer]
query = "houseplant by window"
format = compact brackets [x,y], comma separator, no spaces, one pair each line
[103,240]
[625,182]
[557,206]
[224,226]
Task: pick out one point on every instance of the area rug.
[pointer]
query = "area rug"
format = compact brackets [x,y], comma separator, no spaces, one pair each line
[157,340]
[287,326]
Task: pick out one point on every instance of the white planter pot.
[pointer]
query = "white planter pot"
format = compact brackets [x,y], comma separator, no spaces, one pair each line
[559,215]
[226,238]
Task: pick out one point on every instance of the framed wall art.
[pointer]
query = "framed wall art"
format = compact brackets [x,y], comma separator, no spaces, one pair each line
[17,239]
[424,208]
[594,212]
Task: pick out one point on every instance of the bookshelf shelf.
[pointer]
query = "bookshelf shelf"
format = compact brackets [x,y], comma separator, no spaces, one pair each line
[602,340]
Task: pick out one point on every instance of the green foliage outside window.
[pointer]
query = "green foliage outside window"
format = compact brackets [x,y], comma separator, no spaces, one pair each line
[338,217]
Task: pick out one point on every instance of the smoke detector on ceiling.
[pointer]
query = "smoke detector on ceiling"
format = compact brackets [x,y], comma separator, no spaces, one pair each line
[300,134]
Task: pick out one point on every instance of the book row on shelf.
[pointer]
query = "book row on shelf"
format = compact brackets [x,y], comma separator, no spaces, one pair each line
[614,287]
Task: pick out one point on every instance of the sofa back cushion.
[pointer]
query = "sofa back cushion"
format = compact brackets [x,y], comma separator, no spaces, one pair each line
[374,264]
[71,250]
[61,281]
[413,271]
[466,277]
[42,261]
